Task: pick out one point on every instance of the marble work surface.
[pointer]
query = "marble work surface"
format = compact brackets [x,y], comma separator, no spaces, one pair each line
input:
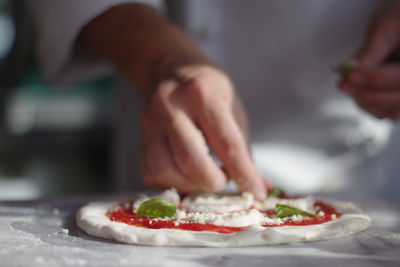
[31,234]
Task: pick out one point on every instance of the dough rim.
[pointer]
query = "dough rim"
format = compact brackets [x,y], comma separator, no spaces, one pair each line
[92,219]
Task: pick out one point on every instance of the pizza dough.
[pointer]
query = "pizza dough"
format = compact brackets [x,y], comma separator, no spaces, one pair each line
[93,219]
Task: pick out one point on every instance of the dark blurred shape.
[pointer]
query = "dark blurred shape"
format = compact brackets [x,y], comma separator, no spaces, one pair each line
[53,140]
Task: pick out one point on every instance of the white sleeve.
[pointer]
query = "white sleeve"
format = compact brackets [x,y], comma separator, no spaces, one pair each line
[58,24]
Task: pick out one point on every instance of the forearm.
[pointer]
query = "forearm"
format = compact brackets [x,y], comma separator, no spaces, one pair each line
[141,43]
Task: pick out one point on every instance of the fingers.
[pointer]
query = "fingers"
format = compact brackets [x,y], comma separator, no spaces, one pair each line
[186,117]
[158,168]
[375,83]
[226,139]
[393,114]
[164,172]
[228,143]
[191,154]
[188,146]
[379,102]
[384,77]
[376,90]
[381,40]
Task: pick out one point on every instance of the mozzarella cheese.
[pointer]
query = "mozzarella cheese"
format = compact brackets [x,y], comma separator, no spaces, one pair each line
[218,203]
[233,219]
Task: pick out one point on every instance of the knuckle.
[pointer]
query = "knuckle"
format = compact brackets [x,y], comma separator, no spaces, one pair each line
[197,89]
[230,149]
[209,96]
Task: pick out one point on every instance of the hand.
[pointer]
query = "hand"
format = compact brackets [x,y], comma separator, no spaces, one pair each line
[375,83]
[190,105]
[185,116]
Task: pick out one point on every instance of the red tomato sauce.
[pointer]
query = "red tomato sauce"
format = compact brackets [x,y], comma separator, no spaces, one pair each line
[327,209]
[124,214]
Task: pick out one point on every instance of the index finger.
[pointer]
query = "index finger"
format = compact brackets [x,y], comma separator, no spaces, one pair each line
[226,139]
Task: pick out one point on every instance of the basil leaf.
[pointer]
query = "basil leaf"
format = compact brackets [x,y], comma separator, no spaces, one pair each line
[276,192]
[156,208]
[282,211]
[345,68]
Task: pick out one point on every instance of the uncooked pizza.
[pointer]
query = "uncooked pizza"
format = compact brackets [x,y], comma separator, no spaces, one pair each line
[220,220]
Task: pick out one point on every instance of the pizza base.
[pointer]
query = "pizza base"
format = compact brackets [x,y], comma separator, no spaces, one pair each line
[93,220]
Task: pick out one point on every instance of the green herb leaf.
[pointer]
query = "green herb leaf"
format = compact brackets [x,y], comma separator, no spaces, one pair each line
[156,208]
[276,192]
[345,68]
[282,211]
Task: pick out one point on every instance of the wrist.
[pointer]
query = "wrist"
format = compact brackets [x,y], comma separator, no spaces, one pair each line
[141,43]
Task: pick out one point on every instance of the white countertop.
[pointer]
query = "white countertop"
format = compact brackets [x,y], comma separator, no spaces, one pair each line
[31,234]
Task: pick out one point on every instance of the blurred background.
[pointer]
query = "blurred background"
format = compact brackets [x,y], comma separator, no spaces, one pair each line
[53,140]
[57,140]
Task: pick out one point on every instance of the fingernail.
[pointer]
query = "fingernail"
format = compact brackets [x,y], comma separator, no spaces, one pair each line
[357,78]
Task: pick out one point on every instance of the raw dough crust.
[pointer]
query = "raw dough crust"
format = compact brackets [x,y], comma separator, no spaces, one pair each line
[93,220]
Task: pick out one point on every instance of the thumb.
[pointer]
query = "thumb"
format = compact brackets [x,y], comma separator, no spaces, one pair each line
[381,41]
